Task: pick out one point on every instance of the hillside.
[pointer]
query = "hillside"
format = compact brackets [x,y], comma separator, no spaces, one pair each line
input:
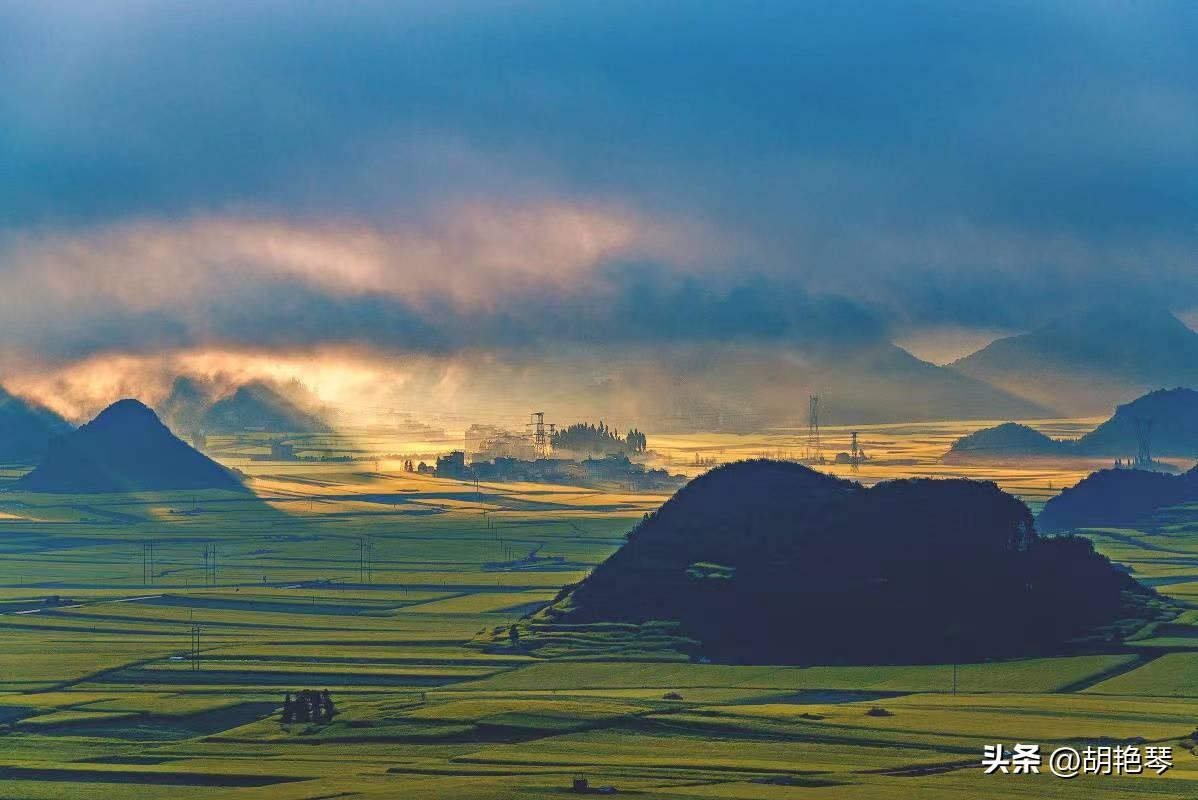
[884,383]
[1113,497]
[125,449]
[26,429]
[1170,414]
[770,562]
[1008,440]
[184,408]
[1085,363]
[260,406]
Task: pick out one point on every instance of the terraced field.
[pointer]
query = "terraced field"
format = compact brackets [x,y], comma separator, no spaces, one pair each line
[375,584]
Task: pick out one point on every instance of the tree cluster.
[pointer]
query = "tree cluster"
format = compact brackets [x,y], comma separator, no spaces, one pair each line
[308,705]
[583,437]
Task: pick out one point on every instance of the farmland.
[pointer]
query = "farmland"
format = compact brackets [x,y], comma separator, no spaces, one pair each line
[375,584]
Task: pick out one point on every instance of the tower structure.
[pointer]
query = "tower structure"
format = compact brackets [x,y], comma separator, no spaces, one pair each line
[815,450]
[1144,440]
[540,434]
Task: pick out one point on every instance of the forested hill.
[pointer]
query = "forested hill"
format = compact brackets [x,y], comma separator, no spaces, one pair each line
[770,562]
[1009,439]
[1113,497]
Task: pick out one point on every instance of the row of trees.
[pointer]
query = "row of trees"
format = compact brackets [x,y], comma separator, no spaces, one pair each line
[583,437]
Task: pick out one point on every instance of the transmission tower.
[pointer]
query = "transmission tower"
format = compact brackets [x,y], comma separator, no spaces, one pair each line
[854,453]
[815,450]
[1144,438]
[540,434]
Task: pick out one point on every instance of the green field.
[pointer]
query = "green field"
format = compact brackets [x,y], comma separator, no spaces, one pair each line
[377,585]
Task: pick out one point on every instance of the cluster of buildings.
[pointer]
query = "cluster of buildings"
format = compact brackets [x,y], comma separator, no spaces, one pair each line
[615,468]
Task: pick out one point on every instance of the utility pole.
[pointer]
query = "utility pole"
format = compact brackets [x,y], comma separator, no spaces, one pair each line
[147,563]
[195,647]
[365,559]
[210,564]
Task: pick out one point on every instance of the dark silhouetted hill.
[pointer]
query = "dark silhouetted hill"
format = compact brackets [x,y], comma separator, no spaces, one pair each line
[125,449]
[1172,417]
[26,429]
[1008,440]
[1113,497]
[769,562]
[1087,362]
[260,406]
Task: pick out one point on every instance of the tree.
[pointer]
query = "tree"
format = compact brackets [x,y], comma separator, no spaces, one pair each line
[303,711]
[288,709]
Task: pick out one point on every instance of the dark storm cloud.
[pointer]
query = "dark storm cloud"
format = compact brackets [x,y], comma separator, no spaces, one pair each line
[653,308]
[981,164]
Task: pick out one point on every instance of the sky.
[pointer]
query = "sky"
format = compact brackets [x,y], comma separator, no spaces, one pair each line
[429,189]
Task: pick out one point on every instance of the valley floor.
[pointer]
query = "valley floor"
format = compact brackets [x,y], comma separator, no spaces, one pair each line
[374,584]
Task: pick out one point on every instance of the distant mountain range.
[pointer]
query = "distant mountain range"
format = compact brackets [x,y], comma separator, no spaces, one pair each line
[750,389]
[26,429]
[126,448]
[1079,365]
[1087,362]
[194,405]
[771,562]
[871,384]
[1168,417]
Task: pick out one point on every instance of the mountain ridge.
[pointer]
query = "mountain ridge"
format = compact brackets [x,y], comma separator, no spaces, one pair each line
[1168,417]
[1086,362]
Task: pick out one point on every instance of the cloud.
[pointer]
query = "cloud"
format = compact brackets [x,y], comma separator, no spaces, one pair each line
[475,278]
[444,176]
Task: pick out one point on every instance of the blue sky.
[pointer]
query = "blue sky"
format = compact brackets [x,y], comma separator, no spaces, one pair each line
[443,177]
